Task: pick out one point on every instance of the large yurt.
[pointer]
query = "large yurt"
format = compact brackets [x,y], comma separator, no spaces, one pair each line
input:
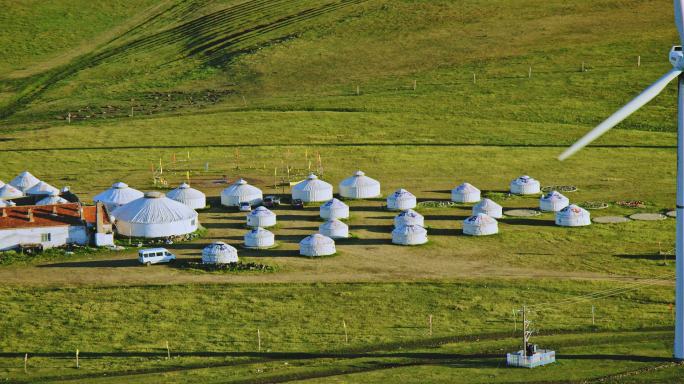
[317,245]
[489,208]
[334,229]
[261,217]
[409,217]
[189,196]
[553,201]
[53,198]
[8,192]
[241,192]
[359,186]
[480,224]
[573,216]
[334,209]
[465,193]
[24,181]
[525,185]
[409,235]
[117,195]
[42,189]
[401,200]
[312,190]
[219,253]
[155,215]
[259,238]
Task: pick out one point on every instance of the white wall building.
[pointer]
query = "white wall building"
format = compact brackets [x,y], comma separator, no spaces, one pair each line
[334,209]
[401,200]
[240,192]
[191,197]
[153,216]
[359,186]
[312,189]
[465,193]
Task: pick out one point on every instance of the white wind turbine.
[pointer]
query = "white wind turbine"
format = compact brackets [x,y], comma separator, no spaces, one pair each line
[677,60]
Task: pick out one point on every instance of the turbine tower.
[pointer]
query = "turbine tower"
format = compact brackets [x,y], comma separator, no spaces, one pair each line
[677,61]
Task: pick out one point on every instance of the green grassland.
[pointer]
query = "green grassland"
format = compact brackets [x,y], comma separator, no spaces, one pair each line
[228,89]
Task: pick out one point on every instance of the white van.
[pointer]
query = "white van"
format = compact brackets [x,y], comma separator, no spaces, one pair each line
[155,256]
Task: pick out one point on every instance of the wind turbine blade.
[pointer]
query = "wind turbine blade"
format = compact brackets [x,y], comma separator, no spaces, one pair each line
[644,97]
[678,12]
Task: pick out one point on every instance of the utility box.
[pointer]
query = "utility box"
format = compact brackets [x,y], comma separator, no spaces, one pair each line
[532,358]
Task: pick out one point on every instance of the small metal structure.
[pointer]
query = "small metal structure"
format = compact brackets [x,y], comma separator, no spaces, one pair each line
[530,356]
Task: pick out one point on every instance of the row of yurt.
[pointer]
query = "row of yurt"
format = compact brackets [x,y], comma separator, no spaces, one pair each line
[465,193]
[261,217]
[401,200]
[219,253]
[317,245]
[155,215]
[334,209]
[241,192]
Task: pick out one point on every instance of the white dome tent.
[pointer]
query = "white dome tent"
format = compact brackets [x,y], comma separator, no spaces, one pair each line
[261,217]
[42,189]
[259,238]
[525,185]
[359,186]
[465,193]
[8,192]
[240,192]
[553,202]
[573,216]
[489,208]
[24,181]
[189,196]
[219,253]
[334,229]
[409,235]
[117,195]
[53,198]
[312,190]
[317,245]
[409,217]
[401,200]
[480,224]
[334,209]
[155,215]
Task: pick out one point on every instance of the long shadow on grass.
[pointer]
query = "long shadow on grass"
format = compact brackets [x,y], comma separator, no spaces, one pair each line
[645,257]
[528,222]
[120,263]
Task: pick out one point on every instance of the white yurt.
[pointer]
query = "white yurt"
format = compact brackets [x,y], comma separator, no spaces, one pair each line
[465,193]
[189,196]
[480,224]
[317,245]
[334,229]
[489,208]
[261,217]
[155,215]
[3,203]
[409,217]
[240,192]
[401,200]
[359,186]
[312,190]
[53,198]
[42,189]
[553,202]
[409,235]
[573,216]
[525,185]
[219,253]
[24,181]
[8,192]
[259,238]
[334,209]
[117,195]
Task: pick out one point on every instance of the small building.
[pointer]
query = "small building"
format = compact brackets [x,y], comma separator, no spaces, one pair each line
[24,181]
[409,235]
[42,189]
[465,193]
[317,245]
[53,198]
[359,186]
[334,209]
[117,195]
[401,200]
[259,238]
[261,217]
[530,359]
[219,253]
[480,225]
[573,216]
[241,192]
[409,217]
[489,208]
[334,229]
[155,216]
[312,190]
[9,192]
[553,201]
[191,197]
[525,185]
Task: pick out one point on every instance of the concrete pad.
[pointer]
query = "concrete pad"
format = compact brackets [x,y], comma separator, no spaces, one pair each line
[648,216]
[610,219]
[522,213]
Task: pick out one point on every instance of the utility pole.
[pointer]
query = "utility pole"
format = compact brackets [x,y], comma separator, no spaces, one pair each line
[593,322]
[526,331]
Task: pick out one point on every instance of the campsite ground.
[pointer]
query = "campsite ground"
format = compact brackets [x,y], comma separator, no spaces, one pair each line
[283,92]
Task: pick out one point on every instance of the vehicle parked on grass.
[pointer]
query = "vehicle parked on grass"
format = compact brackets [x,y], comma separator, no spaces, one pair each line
[245,206]
[297,203]
[155,256]
[271,201]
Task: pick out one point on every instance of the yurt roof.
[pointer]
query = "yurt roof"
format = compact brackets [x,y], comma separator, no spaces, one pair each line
[184,190]
[335,203]
[317,240]
[410,229]
[52,199]
[402,193]
[409,213]
[334,224]
[24,180]
[259,233]
[572,210]
[239,187]
[119,193]
[480,219]
[312,182]
[488,203]
[218,248]
[359,179]
[154,208]
[554,196]
[42,188]
[466,187]
[261,211]
[524,179]
[9,191]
